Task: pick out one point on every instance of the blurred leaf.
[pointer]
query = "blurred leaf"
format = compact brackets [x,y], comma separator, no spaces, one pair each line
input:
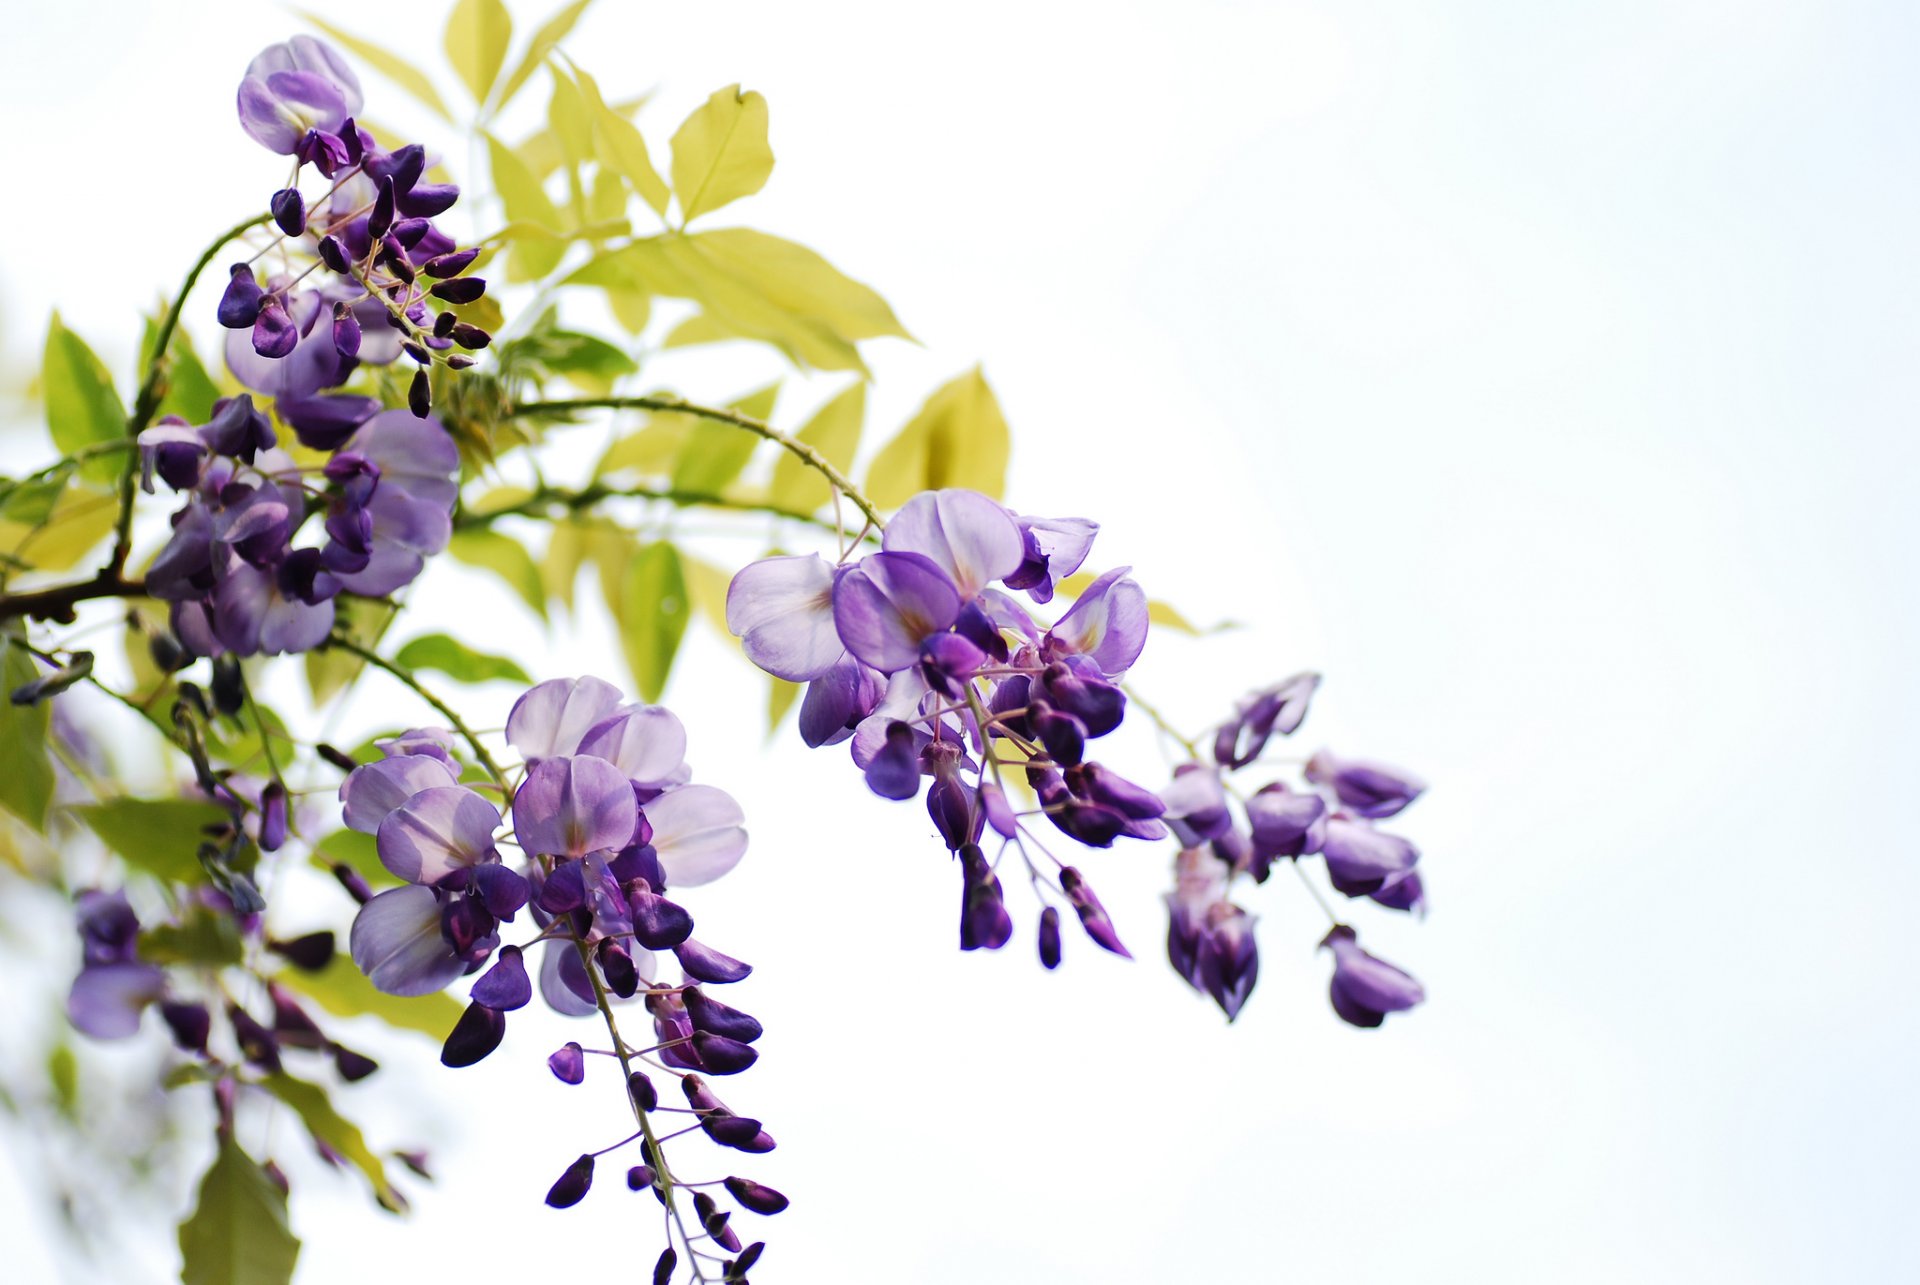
[343,990]
[608,200]
[780,697]
[476,42]
[80,519]
[188,390]
[578,542]
[457,660]
[652,615]
[622,148]
[237,1233]
[713,453]
[356,849]
[506,558]
[330,669]
[958,438]
[310,1103]
[82,407]
[525,201]
[26,776]
[707,587]
[63,1073]
[203,936]
[631,308]
[392,66]
[551,33]
[30,503]
[546,350]
[720,152]
[651,449]
[159,836]
[834,431]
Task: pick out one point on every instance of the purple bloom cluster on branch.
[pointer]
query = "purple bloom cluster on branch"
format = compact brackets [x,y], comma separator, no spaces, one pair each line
[1210,939]
[938,677]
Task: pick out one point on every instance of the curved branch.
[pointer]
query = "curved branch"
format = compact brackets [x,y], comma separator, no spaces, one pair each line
[57,602]
[547,498]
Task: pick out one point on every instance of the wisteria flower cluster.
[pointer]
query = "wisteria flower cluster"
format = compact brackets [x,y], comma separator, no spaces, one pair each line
[608,820]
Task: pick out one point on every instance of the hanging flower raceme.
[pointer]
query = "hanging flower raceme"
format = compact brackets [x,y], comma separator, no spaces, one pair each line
[607,822]
[937,677]
[1226,835]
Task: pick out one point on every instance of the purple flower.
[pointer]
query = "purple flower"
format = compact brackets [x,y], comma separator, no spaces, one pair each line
[373,790]
[782,611]
[889,604]
[1053,549]
[1280,708]
[1372,790]
[1361,859]
[1107,623]
[698,834]
[437,832]
[1196,806]
[1227,962]
[555,716]
[1284,824]
[967,535]
[397,942]
[646,742]
[310,360]
[570,806]
[1365,989]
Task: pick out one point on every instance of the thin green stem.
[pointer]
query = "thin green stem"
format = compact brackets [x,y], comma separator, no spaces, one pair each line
[407,679]
[545,499]
[1160,720]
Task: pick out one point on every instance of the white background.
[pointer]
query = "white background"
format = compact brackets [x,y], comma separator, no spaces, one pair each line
[1542,373]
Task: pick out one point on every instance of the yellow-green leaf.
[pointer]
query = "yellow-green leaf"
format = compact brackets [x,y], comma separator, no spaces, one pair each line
[801,282]
[26,775]
[621,147]
[713,453]
[458,661]
[392,66]
[82,408]
[476,42]
[343,990]
[159,836]
[341,1135]
[78,521]
[237,1233]
[780,698]
[707,587]
[526,201]
[652,614]
[720,152]
[834,431]
[506,558]
[958,438]
[551,33]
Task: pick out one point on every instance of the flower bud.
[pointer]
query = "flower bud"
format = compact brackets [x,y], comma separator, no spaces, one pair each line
[639,1178]
[477,1033]
[381,216]
[711,1015]
[1093,916]
[333,253]
[351,1065]
[984,921]
[572,1185]
[752,1195]
[289,211]
[420,394]
[641,1090]
[568,1063]
[240,303]
[190,1024]
[310,953]
[460,290]
[346,331]
[723,1056]
[664,1265]
[1050,937]
[449,265]
[355,884]
[471,336]
[273,817]
[274,334]
[704,964]
[505,986]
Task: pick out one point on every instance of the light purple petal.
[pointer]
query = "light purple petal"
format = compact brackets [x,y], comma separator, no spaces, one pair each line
[698,833]
[886,605]
[107,999]
[396,942]
[372,790]
[1108,623]
[966,534]
[436,832]
[1360,857]
[573,806]
[392,566]
[563,980]
[314,363]
[782,611]
[290,625]
[648,743]
[1371,982]
[553,717]
[416,455]
[307,53]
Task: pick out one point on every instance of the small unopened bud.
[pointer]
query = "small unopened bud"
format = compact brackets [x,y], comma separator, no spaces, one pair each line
[346,331]
[167,653]
[273,817]
[458,361]
[355,884]
[460,289]
[274,334]
[337,757]
[748,1257]
[723,1056]
[381,217]
[289,211]
[311,952]
[190,1024]
[443,325]
[641,1089]
[1050,937]
[1093,916]
[333,253]
[572,1185]
[664,1265]
[257,1043]
[568,1063]
[449,265]
[409,232]
[351,1065]
[639,1178]
[477,1033]
[420,394]
[623,979]
[277,1176]
[719,1019]
[240,303]
[752,1195]
[229,687]
[704,964]
[471,336]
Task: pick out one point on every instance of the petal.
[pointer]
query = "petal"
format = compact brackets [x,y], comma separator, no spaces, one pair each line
[966,534]
[373,790]
[107,999]
[1373,983]
[698,834]
[647,743]
[782,611]
[290,625]
[416,455]
[436,832]
[1107,624]
[396,942]
[572,806]
[563,981]
[886,605]
[553,717]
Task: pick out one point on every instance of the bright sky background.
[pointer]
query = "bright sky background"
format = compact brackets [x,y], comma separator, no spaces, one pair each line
[1542,373]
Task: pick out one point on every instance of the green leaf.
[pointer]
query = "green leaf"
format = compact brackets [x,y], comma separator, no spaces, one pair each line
[551,33]
[506,558]
[238,1233]
[652,615]
[457,660]
[309,1102]
[356,849]
[80,519]
[799,281]
[202,937]
[958,438]
[82,407]
[622,148]
[187,390]
[159,836]
[330,669]
[713,454]
[526,201]
[720,152]
[63,1073]
[834,431]
[31,503]
[476,41]
[392,66]
[343,990]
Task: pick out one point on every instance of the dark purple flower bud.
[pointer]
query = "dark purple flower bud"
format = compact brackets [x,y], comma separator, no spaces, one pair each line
[420,394]
[1064,736]
[291,1025]
[950,804]
[1373,790]
[190,1024]
[274,334]
[502,891]
[1360,859]
[748,1257]
[324,150]
[1050,938]
[1102,785]
[711,1015]
[471,336]
[229,686]
[641,1090]
[616,965]
[273,817]
[723,1056]
[449,265]
[459,361]
[664,1265]
[1365,989]
[568,1063]
[241,301]
[704,964]
[1402,892]
[346,331]
[355,884]
[894,772]
[351,1065]
[393,258]
[311,952]
[459,290]
[1093,916]
[639,1178]
[237,429]
[167,653]
[336,757]
[1076,686]
[563,890]
[1280,708]
[752,1195]
[324,423]
[1228,960]
[333,253]
[572,1185]
[1285,824]
[424,200]
[658,924]
[410,232]
[443,325]
[477,1033]
[948,660]
[381,217]
[505,986]
[984,921]
[289,211]
[257,1043]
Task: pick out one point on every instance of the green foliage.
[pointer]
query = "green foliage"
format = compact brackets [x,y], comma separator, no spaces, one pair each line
[550,33]
[159,836]
[238,1232]
[392,66]
[458,661]
[187,390]
[652,611]
[958,438]
[506,558]
[328,1126]
[780,697]
[202,936]
[834,431]
[26,774]
[352,848]
[329,670]
[476,43]
[82,408]
[720,152]
[712,454]
[343,990]
[530,256]
[621,149]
